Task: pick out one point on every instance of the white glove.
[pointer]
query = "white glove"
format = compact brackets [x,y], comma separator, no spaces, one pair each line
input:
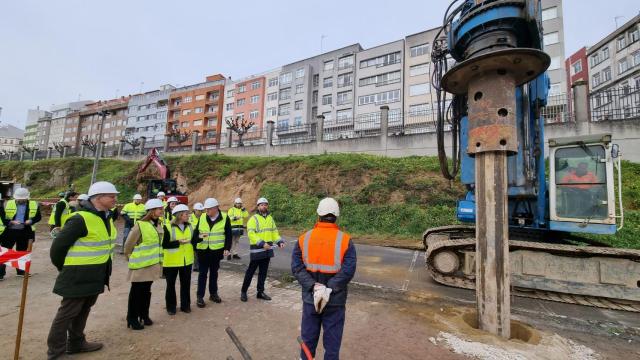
[318,293]
[325,299]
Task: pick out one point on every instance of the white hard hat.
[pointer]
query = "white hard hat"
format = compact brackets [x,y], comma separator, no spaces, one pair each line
[153,204]
[160,194]
[21,194]
[179,208]
[172,199]
[262,201]
[83,197]
[328,206]
[198,206]
[210,203]
[237,201]
[102,187]
[137,197]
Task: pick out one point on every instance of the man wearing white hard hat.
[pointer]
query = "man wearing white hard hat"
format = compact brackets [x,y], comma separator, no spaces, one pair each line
[171,203]
[263,235]
[178,258]
[83,253]
[324,262]
[161,195]
[21,214]
[212,238]
[238,214]
[143,250]
[131,213]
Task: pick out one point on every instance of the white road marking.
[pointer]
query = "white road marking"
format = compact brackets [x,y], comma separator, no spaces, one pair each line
[412,266]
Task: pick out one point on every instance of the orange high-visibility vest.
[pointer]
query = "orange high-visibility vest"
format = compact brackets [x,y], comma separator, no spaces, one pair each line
[587,181]
[323,248]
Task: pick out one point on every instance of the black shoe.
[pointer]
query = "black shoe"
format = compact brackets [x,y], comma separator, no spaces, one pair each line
[215,298]
[171,312]
[229,257]
[133,324]
[243,297]
[263,296]
[186,310]
[1,278]
[200,303]
[86,347]
[146,321]
[236,256]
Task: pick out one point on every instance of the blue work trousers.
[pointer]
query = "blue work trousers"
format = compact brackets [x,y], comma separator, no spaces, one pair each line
[332,323]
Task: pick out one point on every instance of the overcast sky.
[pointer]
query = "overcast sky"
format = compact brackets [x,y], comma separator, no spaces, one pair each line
[54,52]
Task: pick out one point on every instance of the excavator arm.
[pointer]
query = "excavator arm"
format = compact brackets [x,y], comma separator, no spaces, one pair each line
[154,157]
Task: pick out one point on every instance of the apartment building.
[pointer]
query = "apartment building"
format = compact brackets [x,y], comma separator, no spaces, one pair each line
[90,122]
[379,82]
[271,95]
[31,127]
[10,138]
[553,39]
[196,108]
[51,126]
[245,100]
[147,116]
[577,69]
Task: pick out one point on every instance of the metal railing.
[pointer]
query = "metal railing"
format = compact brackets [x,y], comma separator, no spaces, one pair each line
[621,103]
[558,109]
[297,134]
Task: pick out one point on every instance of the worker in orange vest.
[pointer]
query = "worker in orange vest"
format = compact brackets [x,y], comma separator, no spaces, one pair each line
[580,178]
[324,262]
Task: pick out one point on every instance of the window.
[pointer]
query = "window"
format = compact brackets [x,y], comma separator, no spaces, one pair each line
[623,66]
[420,69]
[210,134]
[327,82]
[419,50]
[285,78]
[273,82]
[595,59]
[343,116]
[345,80]
[345,62]
[230,93]
[328,65]
[284,109]
[197,123]
[241,89]
[419,110]
[212,109]
[549,13]
[634,35]
[187,99]
[621,42]
[186,112]
[255,99]
[326,99]
[380,98]
[255,85]
[595,79]
[142,118]
[299,73]
[212,122]
[254,114]
[240,116]
[272,96]
[283,125]
[298,105]
[550,38]
[635,58]
[316,80]
[241,102]
[345,97]
[327,116]
[576,67]
[314,98]
[185,124]
[605,53]
[272,111]
[556,63]
[384,60]
[554,89]
[285,94]
[230,106]
[199,97]
[382,79]
[606,74]
[636,83]
[297,121]
[299,89]
[198,110]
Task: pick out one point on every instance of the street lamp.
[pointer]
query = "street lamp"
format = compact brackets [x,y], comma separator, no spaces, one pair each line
[94,173]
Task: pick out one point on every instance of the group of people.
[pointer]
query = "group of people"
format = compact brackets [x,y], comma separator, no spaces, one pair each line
[164,238]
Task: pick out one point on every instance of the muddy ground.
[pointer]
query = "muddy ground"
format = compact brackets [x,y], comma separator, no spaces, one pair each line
[380,324]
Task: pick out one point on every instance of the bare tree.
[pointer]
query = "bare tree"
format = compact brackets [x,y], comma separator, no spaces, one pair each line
[133,142]
[59,146]
[29,149]
[89,143]
[241,127]
[179,136]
